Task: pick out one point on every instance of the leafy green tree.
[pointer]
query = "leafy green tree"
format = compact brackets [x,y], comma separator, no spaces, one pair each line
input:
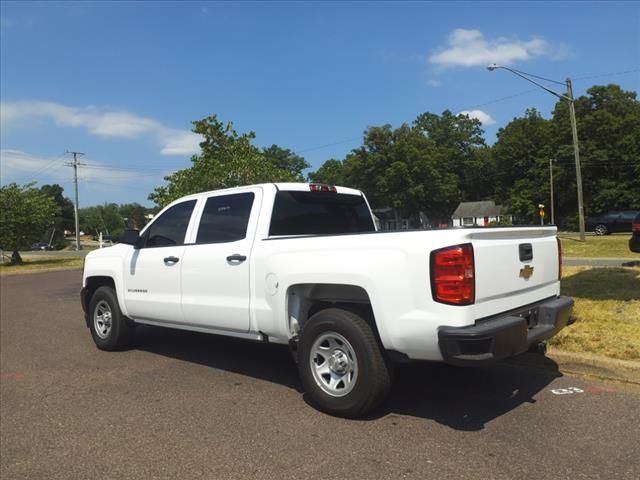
[133,215]
[26,213]
[285,159]
[402,169]
[459,141]
[332,172]
[521,154]
[227,159]
[608,120]
[64,220]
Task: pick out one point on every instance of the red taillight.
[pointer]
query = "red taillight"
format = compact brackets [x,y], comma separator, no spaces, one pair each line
[635,227]
[559,258]
[453,275]
[321,187]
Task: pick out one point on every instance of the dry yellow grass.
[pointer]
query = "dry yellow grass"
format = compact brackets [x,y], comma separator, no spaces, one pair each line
[607,309]
[40,264]
[613,246]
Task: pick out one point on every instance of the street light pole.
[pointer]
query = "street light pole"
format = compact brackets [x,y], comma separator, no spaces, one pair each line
[574,128]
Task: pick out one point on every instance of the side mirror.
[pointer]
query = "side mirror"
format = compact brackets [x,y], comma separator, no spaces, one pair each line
[130,237]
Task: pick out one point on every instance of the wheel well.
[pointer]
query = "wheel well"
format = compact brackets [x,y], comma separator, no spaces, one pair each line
[304,300]
[92,284]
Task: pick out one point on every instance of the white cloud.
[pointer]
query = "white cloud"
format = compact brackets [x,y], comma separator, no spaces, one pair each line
[484,117]
[103,123]
[180,142]
[434,83]
[468,48]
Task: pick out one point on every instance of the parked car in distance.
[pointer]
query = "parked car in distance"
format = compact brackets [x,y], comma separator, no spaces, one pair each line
[41,246]
[612,222]
[634,241]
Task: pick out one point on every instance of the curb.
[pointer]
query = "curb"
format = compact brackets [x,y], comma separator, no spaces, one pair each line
[626,371]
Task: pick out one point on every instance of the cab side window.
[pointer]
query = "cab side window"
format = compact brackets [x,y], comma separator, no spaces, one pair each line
[225,218]
[170,228]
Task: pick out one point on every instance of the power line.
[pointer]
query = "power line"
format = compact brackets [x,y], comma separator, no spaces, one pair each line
[612,74]
[50,167]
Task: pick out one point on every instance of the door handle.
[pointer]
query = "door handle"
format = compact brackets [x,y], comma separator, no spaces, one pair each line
[236,258]
[171,259]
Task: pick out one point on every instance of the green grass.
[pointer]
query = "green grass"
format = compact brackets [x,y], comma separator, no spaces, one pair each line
[41,264]
[616,246]
[607,307]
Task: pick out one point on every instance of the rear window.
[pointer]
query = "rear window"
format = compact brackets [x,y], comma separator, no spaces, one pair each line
[317,213]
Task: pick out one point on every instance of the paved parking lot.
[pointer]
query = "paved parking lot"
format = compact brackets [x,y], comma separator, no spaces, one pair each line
[186,405]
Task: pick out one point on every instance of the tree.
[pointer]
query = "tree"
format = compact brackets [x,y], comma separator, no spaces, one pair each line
[521,155]
[402,169]
[460,142]
[608,121]
[332,172]
[134,215]
[285,159]
[64,220]
[227,159]
[25,214]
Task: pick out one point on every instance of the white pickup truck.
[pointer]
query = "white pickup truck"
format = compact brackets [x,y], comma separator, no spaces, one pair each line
[303,265]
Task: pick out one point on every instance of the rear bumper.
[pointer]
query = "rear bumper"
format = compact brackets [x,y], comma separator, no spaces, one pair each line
[506,335]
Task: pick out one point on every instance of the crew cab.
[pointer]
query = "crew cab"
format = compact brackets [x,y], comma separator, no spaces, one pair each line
[303,265]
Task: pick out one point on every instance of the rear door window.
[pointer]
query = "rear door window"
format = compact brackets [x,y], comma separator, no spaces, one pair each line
[225,218]
[317,213]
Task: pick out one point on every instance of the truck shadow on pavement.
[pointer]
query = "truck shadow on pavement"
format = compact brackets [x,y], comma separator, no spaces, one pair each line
[466,398]
[461,398]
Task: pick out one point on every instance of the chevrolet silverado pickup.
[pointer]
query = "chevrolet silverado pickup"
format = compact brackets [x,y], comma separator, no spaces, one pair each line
[303,265]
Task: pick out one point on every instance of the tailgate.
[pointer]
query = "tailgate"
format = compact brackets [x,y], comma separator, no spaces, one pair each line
[514,267]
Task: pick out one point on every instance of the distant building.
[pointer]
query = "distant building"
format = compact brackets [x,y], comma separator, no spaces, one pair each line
[481,214]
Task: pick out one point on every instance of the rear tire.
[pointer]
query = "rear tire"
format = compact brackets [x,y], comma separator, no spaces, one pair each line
[601,229]
[341,364]
[109,328]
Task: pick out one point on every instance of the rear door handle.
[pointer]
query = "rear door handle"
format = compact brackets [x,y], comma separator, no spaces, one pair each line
[171,260]
[236,258]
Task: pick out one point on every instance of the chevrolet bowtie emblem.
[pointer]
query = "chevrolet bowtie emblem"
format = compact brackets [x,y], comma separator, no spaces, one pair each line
[526,272]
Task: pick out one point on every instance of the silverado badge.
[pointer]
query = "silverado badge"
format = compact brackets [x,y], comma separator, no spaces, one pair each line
[526,272]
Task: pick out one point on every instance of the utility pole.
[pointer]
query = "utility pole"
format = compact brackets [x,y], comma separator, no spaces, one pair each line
[553,218]
[75,165]
[574,129]
[576,153]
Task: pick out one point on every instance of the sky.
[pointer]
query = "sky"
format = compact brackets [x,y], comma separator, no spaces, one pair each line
[122,81]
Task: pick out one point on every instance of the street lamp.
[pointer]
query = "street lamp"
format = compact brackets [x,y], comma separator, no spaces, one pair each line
[574,129]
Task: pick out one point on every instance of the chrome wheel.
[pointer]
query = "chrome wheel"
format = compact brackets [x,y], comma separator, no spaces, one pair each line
[102,319]
[601,229]
[334,364]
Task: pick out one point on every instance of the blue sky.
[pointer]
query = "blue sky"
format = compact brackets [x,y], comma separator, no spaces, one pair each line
[122,81]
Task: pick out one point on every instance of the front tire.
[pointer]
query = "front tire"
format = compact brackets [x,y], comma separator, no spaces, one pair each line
[109,328]
[341,364]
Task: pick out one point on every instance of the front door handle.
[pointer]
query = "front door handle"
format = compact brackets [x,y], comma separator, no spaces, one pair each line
[236,258]
[171,260]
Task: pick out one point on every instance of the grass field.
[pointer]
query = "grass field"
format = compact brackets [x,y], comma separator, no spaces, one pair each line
[39,264]
[616,246]
[607,309]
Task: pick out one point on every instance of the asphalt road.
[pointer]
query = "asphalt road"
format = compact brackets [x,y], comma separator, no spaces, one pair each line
[185,405]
